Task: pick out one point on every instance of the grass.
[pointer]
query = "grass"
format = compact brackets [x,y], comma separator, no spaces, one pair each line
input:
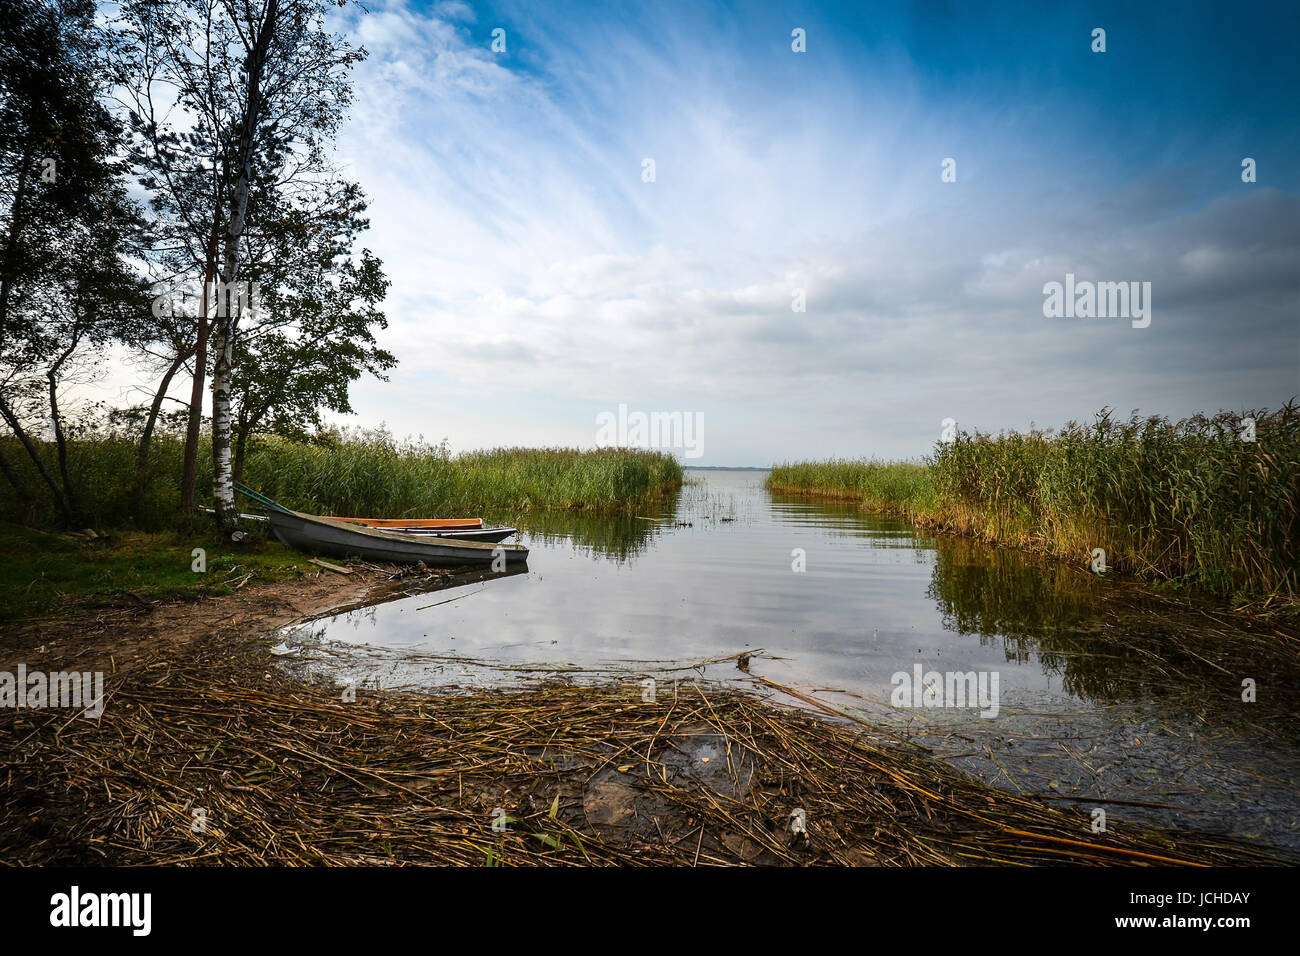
[354,473]
[1185,502]
[42,573]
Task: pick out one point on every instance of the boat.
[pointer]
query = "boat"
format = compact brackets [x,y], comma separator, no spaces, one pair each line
[318,534]
[463,529]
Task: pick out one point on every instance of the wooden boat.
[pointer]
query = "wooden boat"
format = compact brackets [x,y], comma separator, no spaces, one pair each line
[315,534]
[463,529]
[320,535]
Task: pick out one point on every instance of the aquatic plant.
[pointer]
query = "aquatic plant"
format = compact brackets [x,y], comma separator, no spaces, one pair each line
[1208,501]
[353,473]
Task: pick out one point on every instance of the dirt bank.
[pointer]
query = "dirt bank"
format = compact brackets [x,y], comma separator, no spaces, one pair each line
[106,637]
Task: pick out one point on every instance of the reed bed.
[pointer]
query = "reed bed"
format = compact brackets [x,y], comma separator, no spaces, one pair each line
[1190,501]
[892,487]
[371,474]
[213,756]
[355,473]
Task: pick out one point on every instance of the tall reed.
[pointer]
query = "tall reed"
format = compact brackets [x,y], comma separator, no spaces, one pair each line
[370,474]
[356,473]
[1193,501]
[901,487]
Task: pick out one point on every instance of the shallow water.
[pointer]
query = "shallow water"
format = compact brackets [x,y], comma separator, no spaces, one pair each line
[1103,692]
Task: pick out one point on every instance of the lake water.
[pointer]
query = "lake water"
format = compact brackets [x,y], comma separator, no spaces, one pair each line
[1103,692]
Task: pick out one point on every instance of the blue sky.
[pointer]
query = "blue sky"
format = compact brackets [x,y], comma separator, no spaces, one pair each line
[538,280]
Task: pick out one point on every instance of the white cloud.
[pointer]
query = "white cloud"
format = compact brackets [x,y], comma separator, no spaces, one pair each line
[536,278]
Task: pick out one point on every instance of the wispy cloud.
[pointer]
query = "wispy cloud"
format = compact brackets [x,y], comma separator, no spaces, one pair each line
[537,279]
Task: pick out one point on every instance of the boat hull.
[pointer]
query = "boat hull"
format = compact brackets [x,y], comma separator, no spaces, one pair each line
[317,535]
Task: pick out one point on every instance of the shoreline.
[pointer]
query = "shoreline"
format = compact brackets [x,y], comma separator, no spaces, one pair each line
[201,724]
[1286,612]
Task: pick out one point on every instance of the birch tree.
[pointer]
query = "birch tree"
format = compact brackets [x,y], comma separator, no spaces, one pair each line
[232,102]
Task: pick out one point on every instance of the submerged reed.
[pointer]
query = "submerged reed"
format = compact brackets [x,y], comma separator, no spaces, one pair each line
[291,774]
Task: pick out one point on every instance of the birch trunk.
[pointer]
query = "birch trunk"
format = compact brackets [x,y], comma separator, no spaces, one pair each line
[223,488]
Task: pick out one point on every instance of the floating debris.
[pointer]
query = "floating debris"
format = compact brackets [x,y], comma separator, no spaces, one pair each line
[204,755]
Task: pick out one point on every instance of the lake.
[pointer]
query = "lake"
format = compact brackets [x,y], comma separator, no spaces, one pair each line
[1096,691]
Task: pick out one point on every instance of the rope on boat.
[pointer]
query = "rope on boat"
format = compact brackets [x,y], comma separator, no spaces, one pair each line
[260,498]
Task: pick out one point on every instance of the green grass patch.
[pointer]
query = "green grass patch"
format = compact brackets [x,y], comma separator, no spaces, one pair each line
[43,574]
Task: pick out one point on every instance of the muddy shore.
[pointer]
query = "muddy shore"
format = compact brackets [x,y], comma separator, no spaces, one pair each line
[208,753]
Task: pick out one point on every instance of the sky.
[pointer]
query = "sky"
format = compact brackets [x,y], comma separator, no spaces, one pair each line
[539,280]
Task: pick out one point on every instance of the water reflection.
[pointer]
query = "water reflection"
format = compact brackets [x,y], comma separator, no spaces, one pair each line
[713,563]
[1085,662]
[982,590]
[1107,642]
[618,538]
[842,520]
